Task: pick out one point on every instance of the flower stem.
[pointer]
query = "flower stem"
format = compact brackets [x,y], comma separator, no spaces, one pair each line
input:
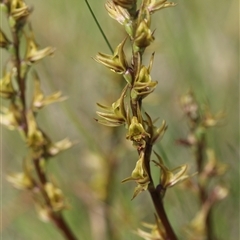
[63,227]
[158,204]
[20,79]
[157,199]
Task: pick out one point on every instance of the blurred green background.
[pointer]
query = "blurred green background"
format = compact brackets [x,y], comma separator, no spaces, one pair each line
[196,48]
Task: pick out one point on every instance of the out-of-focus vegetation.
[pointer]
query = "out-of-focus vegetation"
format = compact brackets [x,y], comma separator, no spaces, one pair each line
[196,47]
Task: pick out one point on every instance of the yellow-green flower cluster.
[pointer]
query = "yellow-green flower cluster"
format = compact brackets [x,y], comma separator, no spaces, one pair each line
[127,111]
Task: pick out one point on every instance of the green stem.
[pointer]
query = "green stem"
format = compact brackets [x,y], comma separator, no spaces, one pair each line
[99,27]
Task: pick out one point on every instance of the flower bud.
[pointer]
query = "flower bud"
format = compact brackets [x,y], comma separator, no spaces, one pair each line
[22,180]
[6,86]
[4,41]
[35,137]
[116,62]
[116,114]
[56,196]
[143,84]
[18,13]
[140,175]
[143,37]
[128,4]
[137,133]
[169,178]
[11,117]
[157,5]
[39,100]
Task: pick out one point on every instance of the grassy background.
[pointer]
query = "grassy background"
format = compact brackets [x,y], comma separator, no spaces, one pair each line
[196,47]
